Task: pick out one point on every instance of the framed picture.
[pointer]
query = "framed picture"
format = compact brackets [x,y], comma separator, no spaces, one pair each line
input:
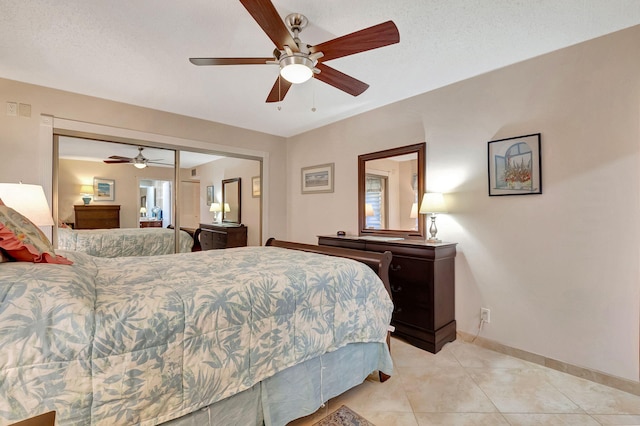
[104,189]
[209,195]
[515,166]
[255,187]
[316,179]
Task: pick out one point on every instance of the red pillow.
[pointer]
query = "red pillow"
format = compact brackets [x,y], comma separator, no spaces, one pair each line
[23,241]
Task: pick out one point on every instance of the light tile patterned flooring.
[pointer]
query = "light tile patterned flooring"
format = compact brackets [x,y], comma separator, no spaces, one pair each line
[465,384]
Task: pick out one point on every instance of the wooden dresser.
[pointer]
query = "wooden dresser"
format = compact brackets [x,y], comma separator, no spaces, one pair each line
[149,223]
[222,235]
[422,277]
[95,216]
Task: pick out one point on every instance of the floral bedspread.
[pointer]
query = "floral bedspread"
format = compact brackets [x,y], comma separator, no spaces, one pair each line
[122,242]
[120,341]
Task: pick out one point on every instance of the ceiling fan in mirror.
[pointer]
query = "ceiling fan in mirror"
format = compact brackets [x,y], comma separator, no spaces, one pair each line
[299,61]
[139,161]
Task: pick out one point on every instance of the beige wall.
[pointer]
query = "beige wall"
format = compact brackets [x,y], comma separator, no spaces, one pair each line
[28,157]
[559,271]
[73,173]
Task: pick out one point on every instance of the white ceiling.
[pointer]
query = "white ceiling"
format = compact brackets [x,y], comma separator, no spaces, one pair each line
[137,51]
[92,150]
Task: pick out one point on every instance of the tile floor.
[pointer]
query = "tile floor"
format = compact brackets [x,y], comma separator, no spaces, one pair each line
[465,384]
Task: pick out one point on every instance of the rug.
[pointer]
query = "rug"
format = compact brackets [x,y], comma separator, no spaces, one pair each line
[344,416]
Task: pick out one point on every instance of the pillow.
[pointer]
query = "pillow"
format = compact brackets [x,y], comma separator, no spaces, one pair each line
[23,241]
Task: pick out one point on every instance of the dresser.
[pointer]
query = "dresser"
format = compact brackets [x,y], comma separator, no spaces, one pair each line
[150,223]
[422,277]
[95,216]
[222,235]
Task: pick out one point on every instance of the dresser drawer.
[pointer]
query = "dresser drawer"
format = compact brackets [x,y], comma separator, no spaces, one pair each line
[211,240]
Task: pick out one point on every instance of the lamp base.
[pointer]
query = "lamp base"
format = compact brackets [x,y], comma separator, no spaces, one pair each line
[86,200]
[434,240]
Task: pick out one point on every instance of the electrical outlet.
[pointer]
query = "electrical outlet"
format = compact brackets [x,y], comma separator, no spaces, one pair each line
[12,109]
[485,315]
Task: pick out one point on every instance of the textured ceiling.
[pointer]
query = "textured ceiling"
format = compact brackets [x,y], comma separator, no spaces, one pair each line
[137,51]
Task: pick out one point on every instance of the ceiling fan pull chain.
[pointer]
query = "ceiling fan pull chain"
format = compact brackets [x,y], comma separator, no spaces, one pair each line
[313,94]
[279,95]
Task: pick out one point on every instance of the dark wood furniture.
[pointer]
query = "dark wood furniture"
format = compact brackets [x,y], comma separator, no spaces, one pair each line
[422,282]
[95,216]
[46,419]
[222,235]
[149,223]
[379,262]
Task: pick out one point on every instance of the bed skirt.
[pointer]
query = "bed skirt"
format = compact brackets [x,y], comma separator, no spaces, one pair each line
[297,391]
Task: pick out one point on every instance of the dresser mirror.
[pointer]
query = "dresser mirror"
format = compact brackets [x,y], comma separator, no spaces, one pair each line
[231,197]
[390,185]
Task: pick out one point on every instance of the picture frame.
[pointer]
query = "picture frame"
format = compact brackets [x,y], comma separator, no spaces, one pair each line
[104,189]
[210,195]
[515,165]
[317,179]
[255,187]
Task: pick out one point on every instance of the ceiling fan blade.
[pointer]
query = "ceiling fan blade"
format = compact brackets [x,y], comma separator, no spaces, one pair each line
[279,90]
[340,80]
[360,41]
[266,15]
[118,157]
[229,61]
[117,161]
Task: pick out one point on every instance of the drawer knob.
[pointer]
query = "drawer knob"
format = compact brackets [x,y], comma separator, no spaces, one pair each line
[395,268]
[396,289]
[398,310]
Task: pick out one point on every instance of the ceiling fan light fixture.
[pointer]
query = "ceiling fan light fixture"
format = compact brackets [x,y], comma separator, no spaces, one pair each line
[140,165]
[296,69]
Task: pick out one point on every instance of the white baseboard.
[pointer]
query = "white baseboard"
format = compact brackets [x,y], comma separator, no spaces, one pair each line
[584,373]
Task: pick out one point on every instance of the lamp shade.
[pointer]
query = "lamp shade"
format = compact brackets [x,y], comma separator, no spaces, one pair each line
[215,207]
[86,189]
[227,209]
[433,202]
[143,210]
[414,211]
[368,210]
[28,200]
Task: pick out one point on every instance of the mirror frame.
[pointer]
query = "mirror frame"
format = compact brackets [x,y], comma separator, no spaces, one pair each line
[420,149]
[224,198]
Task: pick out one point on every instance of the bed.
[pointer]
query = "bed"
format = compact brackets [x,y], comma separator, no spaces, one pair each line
[121,242]
[241,336]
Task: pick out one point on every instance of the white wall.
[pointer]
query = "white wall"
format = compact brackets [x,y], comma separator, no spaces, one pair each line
[559,271]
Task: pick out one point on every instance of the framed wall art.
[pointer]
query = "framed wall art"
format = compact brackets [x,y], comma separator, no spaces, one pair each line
[104,189]
[255,187]
[317,179]
[209,195]
[515,166]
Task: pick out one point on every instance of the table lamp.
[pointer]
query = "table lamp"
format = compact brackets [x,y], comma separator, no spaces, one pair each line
[433,203]
[215,208]
[87,193]
[28,200]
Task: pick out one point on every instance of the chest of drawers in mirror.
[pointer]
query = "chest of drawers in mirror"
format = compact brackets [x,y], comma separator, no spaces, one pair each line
[422,277]
[222,235]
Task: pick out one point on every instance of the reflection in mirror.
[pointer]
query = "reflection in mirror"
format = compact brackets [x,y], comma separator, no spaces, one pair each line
[390,183]
[155,203]
[231,197]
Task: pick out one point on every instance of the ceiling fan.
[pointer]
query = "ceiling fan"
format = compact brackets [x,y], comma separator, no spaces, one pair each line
[299,61]
[139,161]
